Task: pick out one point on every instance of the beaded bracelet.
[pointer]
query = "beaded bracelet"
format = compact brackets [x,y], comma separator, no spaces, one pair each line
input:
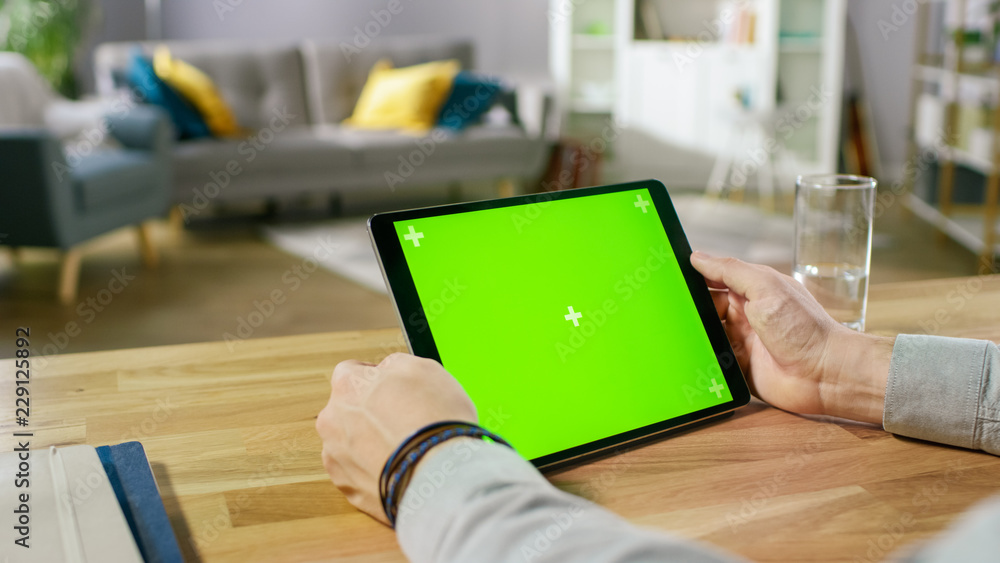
[398,469]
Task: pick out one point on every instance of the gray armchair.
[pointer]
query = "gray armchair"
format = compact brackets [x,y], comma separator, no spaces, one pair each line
[46,201]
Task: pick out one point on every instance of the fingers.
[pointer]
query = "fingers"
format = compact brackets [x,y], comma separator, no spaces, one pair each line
[737,325]
[715,284]
[721,300]
[749,280]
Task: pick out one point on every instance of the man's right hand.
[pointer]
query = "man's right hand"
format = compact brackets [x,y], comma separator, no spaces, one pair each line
[795,356]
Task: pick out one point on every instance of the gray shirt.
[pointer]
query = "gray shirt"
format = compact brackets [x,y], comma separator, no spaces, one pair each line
[481,502]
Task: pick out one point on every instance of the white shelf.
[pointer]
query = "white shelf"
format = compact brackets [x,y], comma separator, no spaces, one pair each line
[932,113]
[805,45]
[582,105]
[668,94]
[788,107]
[684,45]
[583,41]
[930,73]
[964,228]
[583,45]
[965,158]
[677,99]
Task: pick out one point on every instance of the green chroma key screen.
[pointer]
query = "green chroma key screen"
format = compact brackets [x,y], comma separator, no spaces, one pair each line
[566,321]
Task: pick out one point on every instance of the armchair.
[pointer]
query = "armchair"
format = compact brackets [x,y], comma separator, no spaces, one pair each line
[45,201]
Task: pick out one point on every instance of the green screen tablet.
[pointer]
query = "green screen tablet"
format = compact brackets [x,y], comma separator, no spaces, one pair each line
[574,319]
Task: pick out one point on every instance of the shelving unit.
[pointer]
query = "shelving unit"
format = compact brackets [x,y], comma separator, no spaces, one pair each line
[810,60]
[951,95]
[582,47]
[683,96]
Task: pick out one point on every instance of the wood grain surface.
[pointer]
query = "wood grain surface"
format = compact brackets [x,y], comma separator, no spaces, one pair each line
[228,429]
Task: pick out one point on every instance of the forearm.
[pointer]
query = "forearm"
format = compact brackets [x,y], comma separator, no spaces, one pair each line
[487,504]
[945,390]
[857,390]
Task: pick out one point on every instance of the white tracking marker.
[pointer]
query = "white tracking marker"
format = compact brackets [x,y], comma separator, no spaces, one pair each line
[415,236]
[573,316]
[716,388]
[641,203]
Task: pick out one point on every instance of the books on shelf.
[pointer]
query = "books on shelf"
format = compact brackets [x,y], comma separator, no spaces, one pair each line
[649,19]
[735,22]
[740,26]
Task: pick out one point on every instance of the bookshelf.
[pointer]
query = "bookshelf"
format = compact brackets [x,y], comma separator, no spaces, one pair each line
[810,58]
[682,74]
[582,46]
[956,119]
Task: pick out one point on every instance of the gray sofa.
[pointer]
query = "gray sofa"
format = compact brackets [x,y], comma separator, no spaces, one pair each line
[293,98]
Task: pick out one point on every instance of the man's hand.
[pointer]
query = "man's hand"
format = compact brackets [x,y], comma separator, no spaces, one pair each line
[795,356]
[372,409]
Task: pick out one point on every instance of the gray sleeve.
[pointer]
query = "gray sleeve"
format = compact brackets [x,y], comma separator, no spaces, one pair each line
[945,390]
[476,501]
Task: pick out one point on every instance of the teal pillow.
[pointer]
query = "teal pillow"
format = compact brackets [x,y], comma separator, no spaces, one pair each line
[472,95]
[142,78]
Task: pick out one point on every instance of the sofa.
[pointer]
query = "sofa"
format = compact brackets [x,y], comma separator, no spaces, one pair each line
[293,96]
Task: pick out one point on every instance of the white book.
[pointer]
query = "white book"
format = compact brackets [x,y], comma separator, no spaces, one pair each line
[58,506]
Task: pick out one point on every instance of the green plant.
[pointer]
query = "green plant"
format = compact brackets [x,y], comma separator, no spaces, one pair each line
[47,32]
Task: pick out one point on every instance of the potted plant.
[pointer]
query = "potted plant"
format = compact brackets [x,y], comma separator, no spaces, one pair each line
[47,32]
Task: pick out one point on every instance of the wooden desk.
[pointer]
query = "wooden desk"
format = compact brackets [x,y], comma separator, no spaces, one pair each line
[230,436]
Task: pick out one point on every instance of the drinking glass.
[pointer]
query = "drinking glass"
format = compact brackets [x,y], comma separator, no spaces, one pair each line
[833,242]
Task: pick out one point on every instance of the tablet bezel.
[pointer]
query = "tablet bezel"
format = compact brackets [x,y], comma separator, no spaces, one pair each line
[420,341]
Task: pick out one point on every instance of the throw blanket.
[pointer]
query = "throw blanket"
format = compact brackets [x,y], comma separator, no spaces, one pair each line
[27,100]
[24,94]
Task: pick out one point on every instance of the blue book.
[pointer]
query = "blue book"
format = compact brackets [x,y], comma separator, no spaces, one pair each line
[135,488]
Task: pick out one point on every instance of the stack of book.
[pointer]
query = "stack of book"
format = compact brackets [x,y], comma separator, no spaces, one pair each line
[82,504]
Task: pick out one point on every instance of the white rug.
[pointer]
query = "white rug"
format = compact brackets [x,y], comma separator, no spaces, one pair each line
[715,227]
[741,231]
[351,254]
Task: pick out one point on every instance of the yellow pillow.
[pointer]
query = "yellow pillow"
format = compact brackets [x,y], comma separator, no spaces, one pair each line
[198,89]
[407,98]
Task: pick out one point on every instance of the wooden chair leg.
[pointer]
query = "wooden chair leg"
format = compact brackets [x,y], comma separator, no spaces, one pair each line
[69,276]
[150,257]
[8,257]
[176,219]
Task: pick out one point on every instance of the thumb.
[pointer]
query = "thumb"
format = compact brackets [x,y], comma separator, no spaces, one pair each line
[748,280]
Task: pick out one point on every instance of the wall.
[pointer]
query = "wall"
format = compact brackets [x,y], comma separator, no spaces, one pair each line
[511,35]
[113,20]
[886,43]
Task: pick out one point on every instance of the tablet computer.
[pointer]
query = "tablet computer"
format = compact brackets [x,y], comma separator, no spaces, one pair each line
[573,319]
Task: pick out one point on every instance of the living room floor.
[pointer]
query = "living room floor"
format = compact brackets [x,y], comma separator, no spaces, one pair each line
[210,279]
